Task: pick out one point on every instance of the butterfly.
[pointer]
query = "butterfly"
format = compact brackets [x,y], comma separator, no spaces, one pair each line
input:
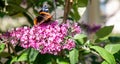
[44,16]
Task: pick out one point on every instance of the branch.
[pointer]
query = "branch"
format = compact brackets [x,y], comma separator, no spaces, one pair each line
[68,5]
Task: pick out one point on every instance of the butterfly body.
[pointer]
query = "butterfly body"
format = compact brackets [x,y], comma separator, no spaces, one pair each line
[43,17]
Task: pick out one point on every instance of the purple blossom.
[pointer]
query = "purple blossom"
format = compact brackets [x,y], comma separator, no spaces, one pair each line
[75,29]
[5,35]
[69,44]
[91,28]
[46,38]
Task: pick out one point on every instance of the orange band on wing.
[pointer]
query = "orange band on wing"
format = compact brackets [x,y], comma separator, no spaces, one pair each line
[35,21]
[45,13]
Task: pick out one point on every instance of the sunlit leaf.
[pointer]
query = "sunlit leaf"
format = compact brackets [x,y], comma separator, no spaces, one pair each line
[73,56]
[21,57]
[104,62]
[80,38]
[112,48]
[63,63]
[2,46]
[104,54]
[14,59]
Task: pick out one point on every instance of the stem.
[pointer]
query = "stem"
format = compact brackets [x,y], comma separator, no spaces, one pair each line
[8,48]
[12,48]
[68,5]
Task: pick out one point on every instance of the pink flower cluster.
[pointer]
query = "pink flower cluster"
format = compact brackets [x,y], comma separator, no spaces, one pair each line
[46,38]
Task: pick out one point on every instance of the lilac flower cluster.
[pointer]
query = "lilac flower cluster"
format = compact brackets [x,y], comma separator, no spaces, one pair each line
[46,38]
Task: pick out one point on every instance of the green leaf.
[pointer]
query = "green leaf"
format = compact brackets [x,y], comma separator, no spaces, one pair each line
[82,3]
[117,56]
[2,47]
[105,31]
[104,62]
[14,59]
[43,59]
[27,55]
[112,48]
[18,48]
[75,12]
[80,38]
[32,54]
[99,40]
[62,61]
[14,9]
[114,39]
[21,57]
[73,56]
[104,54]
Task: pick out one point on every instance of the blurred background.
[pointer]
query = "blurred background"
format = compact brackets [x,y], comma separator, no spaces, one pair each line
[110,12]
[16,13]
